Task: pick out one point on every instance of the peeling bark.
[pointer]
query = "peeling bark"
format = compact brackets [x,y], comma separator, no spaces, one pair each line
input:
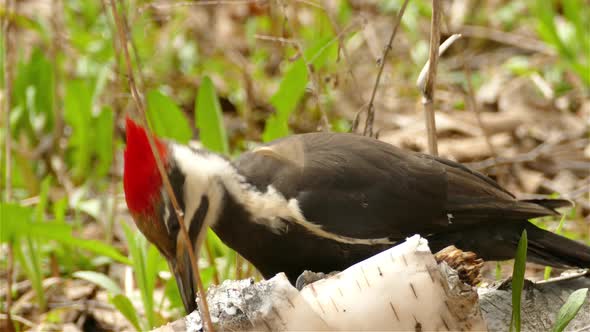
[402,288]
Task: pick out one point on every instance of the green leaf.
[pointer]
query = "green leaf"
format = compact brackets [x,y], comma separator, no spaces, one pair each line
[17,221]
[99,279]
[78,114]
[34,90]
[30,262]
[518,281]
[548,269]
[570,309]
[293,85]
[209,118]
[99,248]
[43,198]
[285,100]
[139,251]
[14,221]
[173,295]
[105,123]
[166,119]
[123,304]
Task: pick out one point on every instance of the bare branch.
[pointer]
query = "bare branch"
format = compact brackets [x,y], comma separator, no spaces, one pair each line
[371,108]
[179,214]
[428,90]
[508,38]
[441,50]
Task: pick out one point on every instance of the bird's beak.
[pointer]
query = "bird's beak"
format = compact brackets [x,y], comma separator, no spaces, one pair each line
[181,267]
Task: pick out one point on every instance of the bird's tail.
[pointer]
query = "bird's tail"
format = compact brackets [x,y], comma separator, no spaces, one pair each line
[554,250]
[548,204]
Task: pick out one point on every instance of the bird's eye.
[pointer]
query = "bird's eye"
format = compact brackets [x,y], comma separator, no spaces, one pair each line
[170,219]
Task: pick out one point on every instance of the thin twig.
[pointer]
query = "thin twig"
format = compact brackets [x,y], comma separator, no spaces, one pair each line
[113,213]
[428,91]
[507,38]
[179,214]
[473,105]
[347,62]
[238,273]
[9,9]
[441,50]
[211,258]
[371,108]
[311,72]
[19,319]
[131,41]
[539,151]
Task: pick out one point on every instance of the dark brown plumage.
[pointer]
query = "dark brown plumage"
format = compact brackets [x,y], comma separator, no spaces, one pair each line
[324,201]
[364,188]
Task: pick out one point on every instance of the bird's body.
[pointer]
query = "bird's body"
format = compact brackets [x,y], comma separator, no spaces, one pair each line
[324,201]
[366,189]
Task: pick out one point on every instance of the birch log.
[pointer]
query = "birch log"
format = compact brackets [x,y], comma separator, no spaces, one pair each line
[402,288]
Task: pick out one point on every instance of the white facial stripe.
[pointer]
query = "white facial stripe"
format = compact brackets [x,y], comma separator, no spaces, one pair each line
[200,173]
[204,175]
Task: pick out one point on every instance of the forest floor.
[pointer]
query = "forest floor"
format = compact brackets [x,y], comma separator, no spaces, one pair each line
[507,104]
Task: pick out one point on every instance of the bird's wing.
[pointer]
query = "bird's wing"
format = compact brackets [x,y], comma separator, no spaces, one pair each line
[360,187]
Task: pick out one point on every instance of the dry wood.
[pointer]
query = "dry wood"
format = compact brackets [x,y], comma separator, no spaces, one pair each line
[540,304]
[402,288]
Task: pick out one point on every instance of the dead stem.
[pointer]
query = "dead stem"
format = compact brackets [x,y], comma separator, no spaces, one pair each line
[179,214]
[508,38]
[349,68]
[136,58]
[473,106]
[10,9]
[211,258]
[428,91]
[238,273]
[371,108]
[311,71]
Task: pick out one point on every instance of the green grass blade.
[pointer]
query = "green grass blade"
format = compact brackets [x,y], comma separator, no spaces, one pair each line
[26,261]
[123,304]
[518,281]
[78,114]
[209,118]
[18,223]
[570,309]
[99,279]
[548,269]
[103,134]
[138,249]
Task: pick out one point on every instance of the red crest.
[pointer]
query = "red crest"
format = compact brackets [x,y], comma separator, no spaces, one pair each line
[141,179]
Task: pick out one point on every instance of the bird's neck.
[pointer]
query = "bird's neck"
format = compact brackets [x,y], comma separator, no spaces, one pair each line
[212,175]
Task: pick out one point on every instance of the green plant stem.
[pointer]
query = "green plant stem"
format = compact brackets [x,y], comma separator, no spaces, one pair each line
[518,281]
[8,151]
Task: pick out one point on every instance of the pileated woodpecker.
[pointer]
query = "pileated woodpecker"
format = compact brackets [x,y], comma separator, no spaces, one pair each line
[324,201]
